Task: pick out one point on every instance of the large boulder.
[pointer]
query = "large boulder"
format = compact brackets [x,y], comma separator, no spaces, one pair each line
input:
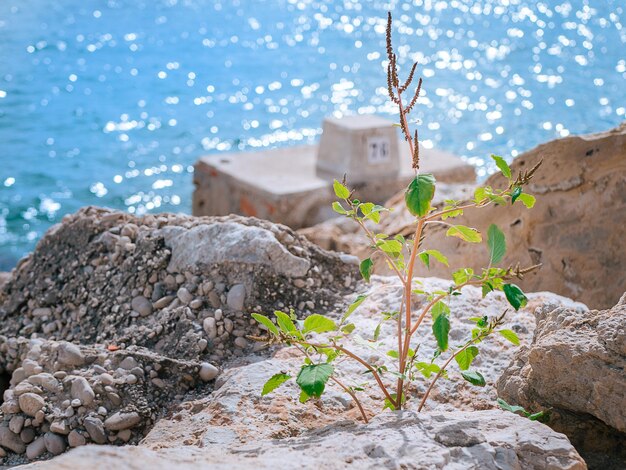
[452,440]
[576,229]
[576,366]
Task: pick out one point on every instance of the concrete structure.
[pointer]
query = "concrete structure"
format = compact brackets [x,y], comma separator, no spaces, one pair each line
[363,147]
[293,185]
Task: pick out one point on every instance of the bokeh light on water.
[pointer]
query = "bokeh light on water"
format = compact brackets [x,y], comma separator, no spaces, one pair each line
[110,103]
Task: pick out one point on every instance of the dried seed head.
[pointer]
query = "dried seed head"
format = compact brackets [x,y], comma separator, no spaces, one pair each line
[525,176]
[388,37]
[518,272]
[416,152]
[406,84]
[415,97]
[392,96]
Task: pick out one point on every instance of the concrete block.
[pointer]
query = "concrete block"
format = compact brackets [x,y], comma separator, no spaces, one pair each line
[286,185]
[364,147]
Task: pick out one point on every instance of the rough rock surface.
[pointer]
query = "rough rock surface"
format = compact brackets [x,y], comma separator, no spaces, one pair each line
[148,312]
[91,323]
[576,365]
[235,413]
[109,277]
[576,229]
[453,440]
[112,391]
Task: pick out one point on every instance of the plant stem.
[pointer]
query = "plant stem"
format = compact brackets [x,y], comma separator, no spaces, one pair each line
[440,373]
[405,124]
[482,203]
[354,398]
[408,284]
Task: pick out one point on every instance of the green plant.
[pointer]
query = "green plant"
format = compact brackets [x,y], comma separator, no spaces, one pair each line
[322,339]
[541,416]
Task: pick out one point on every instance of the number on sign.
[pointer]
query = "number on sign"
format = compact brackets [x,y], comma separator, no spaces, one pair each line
[378,150]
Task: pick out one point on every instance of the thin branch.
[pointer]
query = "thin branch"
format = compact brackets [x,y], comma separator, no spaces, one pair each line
[354,398]
[379,381]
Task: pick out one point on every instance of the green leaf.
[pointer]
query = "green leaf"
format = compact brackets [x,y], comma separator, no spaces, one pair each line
[441,329]
[377,332]
[303,397]
[462,275]
[284,322]
[427,368]
[337,207]
[515,296]
[512,408]
[465,358]
[528,200]
[496,243]
[517,192]
[372,211]
[389,404]
[474,377]
[510,335]
[353,306]
[263,320]
[426,254]
[486,288]
[317,323]
[340,190]
[502,165]
[440,308]
[465,233]
[274,382]
[419,193]
[539,416]
[450,205]
[392,247]
[481,194]
[312,378]
[393,354]
[366,268]
[349,328]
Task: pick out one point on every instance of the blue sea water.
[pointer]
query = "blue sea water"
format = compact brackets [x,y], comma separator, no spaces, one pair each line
[111,102]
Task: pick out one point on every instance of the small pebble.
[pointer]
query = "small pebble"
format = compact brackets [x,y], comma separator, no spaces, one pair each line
[208,371]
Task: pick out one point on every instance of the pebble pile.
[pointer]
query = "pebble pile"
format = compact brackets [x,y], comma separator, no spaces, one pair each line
[113,318]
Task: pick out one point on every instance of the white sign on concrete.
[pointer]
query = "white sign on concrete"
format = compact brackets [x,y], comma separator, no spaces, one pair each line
[378,150]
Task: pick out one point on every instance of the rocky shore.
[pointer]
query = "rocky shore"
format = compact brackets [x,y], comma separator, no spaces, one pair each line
[128,341]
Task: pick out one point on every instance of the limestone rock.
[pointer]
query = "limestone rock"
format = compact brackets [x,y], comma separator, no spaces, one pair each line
[236,297]
[214,243]
[95,429]
[208,371]
[31,403]
[11,441]
[454,440]
[55,444]
[83,391]
[122,420]
[69,354]
[141,305]
[575,365]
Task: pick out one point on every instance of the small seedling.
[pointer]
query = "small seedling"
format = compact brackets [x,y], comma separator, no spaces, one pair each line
[540,416]
[322,339]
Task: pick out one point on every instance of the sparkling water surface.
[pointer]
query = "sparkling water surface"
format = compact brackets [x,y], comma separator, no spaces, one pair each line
[110,103]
